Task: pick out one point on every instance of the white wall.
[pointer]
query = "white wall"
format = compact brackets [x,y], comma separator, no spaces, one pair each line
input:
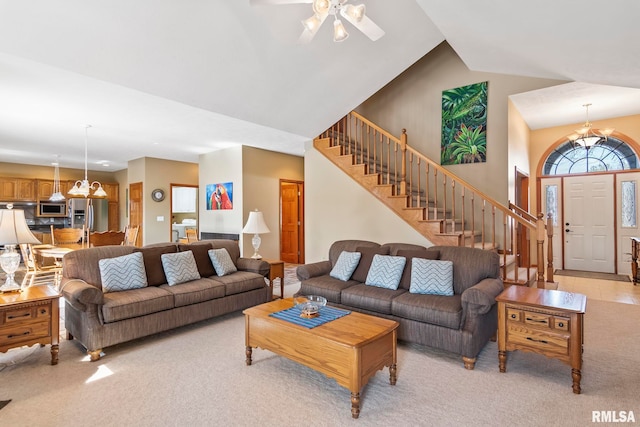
[219,167]
[338,208]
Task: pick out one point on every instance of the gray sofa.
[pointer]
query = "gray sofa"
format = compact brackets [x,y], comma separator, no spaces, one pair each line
[98,319]
[462,323]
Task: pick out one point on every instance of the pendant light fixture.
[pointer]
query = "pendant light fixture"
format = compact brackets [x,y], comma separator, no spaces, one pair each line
[56,196]
[83,188]
[586,136]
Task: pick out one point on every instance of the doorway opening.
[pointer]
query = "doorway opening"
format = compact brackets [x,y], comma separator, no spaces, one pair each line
[184,210]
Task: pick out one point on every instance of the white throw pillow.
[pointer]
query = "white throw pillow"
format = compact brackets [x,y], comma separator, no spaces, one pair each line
[431,277]
[345,265]
[179,267]
[386,271]
[221,261]
[123,273]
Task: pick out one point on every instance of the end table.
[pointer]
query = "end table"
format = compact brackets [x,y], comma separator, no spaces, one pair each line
[30,317]
[276,271]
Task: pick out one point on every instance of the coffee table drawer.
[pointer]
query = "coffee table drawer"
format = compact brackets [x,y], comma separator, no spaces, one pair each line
[14,335]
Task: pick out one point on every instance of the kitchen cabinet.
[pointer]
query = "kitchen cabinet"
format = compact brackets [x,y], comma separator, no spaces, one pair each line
[44,188]
[112,191]
[8,189]
[17,189]
[114,215]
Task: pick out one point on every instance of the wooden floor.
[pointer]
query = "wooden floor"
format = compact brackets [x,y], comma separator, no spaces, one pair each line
[604,290]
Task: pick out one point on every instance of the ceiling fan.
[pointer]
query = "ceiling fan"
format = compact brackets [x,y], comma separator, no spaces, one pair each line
[336,8]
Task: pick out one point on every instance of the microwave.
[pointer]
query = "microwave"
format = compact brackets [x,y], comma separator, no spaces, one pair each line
[52,209]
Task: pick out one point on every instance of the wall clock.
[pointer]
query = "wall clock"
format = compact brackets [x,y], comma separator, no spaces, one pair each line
[157,195]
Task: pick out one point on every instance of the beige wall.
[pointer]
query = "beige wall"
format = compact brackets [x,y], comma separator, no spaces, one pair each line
[338,208]
[262,172]
[158,173]
[414,101]
[518,134]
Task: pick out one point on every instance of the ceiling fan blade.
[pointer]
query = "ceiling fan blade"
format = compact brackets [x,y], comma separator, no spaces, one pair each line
[307,34]
[366,25]
[270,2]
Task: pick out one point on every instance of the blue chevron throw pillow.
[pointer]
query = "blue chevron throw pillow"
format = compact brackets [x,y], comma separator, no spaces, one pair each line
[123,273]
[431,277]
[345,265]
[180,267]
[386,271]
[221,261]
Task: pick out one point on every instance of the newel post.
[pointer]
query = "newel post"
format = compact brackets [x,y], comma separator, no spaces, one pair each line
[540,236]
[403,171]
[549,248]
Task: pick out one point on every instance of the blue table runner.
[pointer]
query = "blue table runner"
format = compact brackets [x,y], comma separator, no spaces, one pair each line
[327,314]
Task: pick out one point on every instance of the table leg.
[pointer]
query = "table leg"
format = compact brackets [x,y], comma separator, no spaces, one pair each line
[54,354]
[502,359]
[247,353]
[393,372]
[577,376]
[355,405]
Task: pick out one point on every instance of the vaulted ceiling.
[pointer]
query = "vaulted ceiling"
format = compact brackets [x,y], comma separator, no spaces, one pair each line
[174,79]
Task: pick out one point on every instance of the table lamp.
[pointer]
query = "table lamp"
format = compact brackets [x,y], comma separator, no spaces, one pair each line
[255,225]
[13,231]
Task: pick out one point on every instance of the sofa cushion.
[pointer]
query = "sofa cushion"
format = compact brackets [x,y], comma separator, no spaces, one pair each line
[180,267]
[409,254]
[325,286]
[201,254]
[195,291]
[221,261]
[153,262]
[435,309]
[386,271]
[241,281]
[345,266]
[370,298]
[123,273]
[366,257]
[230,245]
[135,303]
[431,277]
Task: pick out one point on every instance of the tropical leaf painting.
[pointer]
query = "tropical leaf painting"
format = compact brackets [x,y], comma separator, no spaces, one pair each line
[464,125]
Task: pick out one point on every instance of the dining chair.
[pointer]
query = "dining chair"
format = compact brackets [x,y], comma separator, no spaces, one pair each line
[73,238]
[37,273]
[130,235]
[191,234]
[104,238]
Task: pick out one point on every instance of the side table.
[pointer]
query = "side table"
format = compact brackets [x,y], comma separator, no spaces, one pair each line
[542,321]
[276,271]
[30,317]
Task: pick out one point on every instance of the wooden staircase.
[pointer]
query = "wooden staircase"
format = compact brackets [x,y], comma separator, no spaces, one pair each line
[443,208]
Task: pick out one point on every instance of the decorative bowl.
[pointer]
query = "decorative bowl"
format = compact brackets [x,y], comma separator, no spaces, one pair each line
[310,305]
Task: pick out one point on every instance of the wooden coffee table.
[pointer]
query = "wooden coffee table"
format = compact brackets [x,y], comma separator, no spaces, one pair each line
[350,349]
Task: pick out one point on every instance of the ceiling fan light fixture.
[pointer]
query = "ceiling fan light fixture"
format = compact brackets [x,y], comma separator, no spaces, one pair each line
[355,12]
[339,32]
[312,23]
[321,7]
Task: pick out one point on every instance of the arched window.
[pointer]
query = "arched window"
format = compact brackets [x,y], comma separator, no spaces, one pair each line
[610,155]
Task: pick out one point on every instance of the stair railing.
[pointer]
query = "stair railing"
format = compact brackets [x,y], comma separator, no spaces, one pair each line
[464,212]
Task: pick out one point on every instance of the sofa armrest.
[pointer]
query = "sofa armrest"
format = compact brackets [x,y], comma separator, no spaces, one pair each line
[482,296]
[307,271]
[254,265]
[81,294]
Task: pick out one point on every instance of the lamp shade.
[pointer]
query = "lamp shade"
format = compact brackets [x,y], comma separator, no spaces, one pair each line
[255,224]
[14,229]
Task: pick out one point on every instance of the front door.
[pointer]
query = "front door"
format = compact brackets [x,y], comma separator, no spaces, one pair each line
[589,223]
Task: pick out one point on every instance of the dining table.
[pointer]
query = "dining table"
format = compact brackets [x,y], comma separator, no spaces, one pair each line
[54,252]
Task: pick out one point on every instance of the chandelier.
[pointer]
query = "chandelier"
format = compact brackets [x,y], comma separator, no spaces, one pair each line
[586,136]
[83,188]
[57,196]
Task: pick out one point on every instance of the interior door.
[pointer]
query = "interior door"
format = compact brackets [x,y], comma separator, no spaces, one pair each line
[589,223]
[292,222]
[135,209]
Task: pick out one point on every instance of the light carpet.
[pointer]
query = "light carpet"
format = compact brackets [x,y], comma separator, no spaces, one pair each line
[196,376]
